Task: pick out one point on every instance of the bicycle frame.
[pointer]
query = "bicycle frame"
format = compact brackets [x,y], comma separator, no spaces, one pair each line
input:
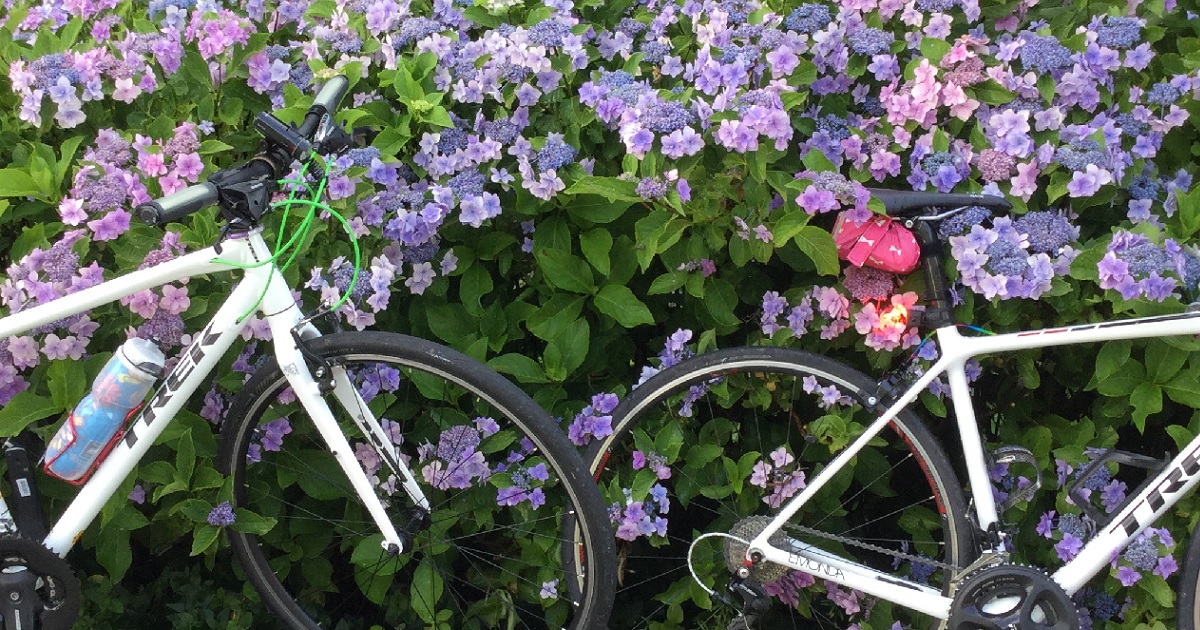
[1179,477]
[262,289]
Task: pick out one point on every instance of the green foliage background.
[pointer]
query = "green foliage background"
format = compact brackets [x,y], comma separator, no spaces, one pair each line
[605,279]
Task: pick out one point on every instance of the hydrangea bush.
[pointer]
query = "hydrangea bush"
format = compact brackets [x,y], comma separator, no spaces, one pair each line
[555,186]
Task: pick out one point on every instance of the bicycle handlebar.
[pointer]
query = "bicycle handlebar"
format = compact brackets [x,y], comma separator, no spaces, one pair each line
[178,204]
[281,141]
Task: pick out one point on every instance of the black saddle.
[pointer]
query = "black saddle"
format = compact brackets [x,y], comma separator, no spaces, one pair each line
[901,202]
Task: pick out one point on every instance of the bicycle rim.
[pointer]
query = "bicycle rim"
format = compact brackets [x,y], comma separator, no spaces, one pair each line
[716,443]
[499,475]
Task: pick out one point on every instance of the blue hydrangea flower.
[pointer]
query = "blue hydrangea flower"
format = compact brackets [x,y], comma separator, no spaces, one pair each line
[808,19]
[870,41]
[1119,32]
[222,515]
[555,154]
[1044,53]
[1048,231]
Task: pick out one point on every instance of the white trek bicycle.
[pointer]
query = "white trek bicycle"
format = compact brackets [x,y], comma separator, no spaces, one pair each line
[796,480]
[454,512]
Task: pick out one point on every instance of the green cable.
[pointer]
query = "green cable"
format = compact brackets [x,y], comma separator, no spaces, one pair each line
[299,234]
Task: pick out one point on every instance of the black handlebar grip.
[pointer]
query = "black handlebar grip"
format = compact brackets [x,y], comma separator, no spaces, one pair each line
[177,205]
[325,102]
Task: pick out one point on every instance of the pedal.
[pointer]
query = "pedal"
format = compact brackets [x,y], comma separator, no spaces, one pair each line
[1018,455]
[1151,465]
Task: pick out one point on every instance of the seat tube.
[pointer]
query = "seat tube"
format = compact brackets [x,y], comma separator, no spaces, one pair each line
[939,302]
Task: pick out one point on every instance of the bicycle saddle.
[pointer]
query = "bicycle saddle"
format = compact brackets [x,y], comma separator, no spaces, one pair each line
[906,201]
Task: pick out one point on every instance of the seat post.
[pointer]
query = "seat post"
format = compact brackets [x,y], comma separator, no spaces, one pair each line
[939,303]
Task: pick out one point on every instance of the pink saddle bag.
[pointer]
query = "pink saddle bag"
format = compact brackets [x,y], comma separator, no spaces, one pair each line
[880,242]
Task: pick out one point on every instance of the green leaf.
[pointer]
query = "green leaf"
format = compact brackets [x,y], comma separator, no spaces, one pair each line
[1182,389]
[564,271]
[555,316]
[196,510]
[426,590]
[158,472]
[67,382]
[214,147]
[570,348]
[1112,358]
[23,410]
[1189,211]
[15,182]
[934,49]
[816,161]
[619,303]
[818,245]
[990,92]
[610,188]
[203,538]
[1159,590]
[1146,400]
[115,555]
[185,458]
[596,245]
[720,298]
[476,283]
[520,367]
[1163,360]
[248,522]
[438,116]
[789,225]
[597,209]
[668,282]
[408,90]
[451,322]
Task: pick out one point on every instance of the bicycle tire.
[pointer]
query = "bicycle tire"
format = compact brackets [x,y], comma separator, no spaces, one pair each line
[475,563]
[1188,603]
[738,391]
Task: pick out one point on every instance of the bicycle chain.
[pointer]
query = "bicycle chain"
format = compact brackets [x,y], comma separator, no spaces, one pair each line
[869,547]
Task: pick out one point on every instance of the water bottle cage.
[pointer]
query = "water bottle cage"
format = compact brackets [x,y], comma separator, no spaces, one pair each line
[48,463]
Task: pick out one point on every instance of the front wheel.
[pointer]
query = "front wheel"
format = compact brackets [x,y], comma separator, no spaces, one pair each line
[502,480]
[717,443]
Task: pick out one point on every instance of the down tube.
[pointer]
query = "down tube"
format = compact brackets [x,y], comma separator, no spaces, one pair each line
[1176,481]
[195,363]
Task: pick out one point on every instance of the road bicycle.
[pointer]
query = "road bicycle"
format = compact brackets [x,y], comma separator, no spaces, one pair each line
[802,492]
[396,483]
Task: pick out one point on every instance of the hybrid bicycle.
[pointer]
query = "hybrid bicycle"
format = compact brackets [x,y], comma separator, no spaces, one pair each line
[396,482]
[808,492]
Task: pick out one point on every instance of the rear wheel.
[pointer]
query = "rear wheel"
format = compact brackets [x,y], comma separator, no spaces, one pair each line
[502,479]
[716,443]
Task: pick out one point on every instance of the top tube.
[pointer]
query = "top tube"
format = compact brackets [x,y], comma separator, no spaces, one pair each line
[247,249]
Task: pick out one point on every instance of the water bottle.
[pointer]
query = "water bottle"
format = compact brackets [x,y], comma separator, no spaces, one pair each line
[92,427]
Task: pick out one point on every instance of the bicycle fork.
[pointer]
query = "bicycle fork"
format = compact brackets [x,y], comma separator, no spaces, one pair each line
[308,391]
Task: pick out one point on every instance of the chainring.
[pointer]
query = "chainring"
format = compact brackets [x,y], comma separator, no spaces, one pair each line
[1012,597]
[58,588]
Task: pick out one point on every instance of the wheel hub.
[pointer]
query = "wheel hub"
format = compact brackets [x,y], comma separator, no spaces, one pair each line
[1006,597]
